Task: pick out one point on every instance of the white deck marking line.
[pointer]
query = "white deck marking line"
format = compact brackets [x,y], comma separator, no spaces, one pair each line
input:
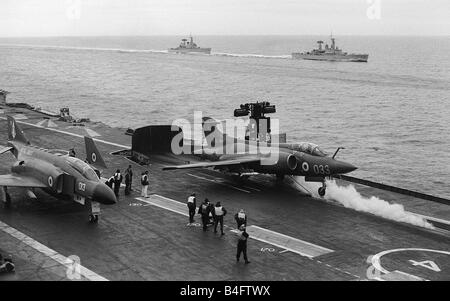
[51,124]
[20,117]
[91,133]
[178,209]
[71,134]
[41,123]
[88,274]
[218,182]
[292,244]
[326,250]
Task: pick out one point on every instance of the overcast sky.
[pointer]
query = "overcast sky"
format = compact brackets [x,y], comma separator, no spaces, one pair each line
[223,17]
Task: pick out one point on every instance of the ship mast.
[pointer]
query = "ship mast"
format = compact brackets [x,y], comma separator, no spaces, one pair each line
[333,44]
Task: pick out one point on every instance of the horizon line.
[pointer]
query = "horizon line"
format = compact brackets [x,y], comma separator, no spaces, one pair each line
[227,35]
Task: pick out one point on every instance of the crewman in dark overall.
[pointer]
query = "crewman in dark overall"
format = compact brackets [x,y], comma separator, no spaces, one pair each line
[211,216]
[117,181]
[72,152]
[127,183]
[128,180]
[220,212]
[241,218]
[242,245]
[204,211]
[192,205]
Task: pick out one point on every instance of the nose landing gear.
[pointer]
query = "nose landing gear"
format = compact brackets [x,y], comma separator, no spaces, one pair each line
[95,211]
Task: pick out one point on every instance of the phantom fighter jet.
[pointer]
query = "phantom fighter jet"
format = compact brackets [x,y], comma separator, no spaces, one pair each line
[291,159]
[56,172]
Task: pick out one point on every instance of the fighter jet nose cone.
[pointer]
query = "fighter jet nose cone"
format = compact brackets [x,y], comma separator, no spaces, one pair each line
[104,195]
[351,168]
[344,167]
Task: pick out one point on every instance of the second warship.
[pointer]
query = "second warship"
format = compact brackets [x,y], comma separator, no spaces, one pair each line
[332,53]
[188,46]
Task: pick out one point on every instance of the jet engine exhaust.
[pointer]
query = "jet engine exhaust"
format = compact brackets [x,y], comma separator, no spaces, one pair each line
[291,162]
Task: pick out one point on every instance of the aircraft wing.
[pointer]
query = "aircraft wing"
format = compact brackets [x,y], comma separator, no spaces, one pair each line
[228,162]
[4,149]
[14,180]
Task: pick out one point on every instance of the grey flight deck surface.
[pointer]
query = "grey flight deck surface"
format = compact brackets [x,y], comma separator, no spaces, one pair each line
[294,236]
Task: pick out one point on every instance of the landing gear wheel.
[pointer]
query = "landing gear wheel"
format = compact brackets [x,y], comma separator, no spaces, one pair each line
[93,218]
[322,191]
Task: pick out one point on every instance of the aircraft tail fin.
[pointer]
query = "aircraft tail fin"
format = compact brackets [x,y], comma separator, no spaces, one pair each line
[93,156]
[15,133]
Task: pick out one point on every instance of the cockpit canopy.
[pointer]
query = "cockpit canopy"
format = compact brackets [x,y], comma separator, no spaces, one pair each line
[59,152]
[309,148]
[83,168]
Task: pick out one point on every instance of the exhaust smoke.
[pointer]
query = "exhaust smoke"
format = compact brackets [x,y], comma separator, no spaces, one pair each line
[349,197]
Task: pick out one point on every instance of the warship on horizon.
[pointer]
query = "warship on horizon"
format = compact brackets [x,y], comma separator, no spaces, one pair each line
[332,53]
[189,47]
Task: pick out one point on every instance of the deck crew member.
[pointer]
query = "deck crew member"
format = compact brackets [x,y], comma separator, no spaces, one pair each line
[192,205]
[242,244]
[72,152]
[211,215]
[117,181]
[219,213]
[241,218]
[144,184]
[204,211]
[128,180]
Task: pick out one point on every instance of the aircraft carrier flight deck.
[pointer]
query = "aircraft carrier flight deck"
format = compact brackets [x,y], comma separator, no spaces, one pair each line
[293,236]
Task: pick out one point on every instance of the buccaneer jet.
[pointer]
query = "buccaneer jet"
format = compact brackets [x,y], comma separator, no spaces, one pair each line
[55,172]
[248,158]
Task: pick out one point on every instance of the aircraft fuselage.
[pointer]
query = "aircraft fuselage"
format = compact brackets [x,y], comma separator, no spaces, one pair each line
[62,175]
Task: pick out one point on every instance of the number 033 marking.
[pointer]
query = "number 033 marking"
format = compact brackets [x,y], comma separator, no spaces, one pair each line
[321,169]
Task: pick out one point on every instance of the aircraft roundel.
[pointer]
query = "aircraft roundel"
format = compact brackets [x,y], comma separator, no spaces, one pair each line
[50,181]
[305,166]
[94,157]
